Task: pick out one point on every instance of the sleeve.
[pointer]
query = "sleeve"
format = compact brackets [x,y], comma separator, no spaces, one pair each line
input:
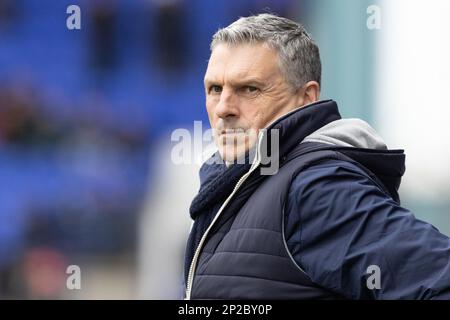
[354,240]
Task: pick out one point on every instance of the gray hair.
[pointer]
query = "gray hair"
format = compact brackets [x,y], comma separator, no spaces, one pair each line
[299,58]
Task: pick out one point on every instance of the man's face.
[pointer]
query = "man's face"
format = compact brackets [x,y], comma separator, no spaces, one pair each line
[245,92]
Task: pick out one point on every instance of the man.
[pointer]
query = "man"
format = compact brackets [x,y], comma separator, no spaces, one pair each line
[327,223]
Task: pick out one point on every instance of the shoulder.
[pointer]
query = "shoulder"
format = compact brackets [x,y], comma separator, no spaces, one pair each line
[330,195]
[330,175]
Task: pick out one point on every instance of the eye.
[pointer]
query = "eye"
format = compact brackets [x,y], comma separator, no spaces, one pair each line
[251,89]
[215,89]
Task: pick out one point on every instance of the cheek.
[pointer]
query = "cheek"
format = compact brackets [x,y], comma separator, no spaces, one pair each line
[210,107]
[257,116]
[251,110]
[271,109]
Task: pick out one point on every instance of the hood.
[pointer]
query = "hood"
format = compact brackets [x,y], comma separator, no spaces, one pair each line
[348,133]
[359,141]
[316,122]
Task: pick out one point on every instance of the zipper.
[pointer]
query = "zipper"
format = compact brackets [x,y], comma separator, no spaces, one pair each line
[255,165]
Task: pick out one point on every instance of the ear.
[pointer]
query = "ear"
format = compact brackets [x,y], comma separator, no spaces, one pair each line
[308,93]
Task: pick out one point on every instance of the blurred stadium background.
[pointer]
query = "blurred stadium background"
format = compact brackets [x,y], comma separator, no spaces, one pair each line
[86,118]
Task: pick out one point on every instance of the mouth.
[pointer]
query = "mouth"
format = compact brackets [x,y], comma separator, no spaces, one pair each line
[231,131]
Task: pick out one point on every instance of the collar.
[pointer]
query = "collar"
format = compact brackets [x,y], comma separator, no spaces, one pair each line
[218,180]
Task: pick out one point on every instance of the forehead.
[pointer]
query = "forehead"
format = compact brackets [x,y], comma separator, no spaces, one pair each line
[237,62]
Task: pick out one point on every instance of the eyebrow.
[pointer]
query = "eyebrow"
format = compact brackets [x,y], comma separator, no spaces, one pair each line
[244,81]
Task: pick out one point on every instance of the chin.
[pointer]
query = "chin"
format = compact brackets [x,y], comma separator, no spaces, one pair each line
[232,154]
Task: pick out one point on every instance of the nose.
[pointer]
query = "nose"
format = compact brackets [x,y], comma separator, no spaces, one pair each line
[227,107]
